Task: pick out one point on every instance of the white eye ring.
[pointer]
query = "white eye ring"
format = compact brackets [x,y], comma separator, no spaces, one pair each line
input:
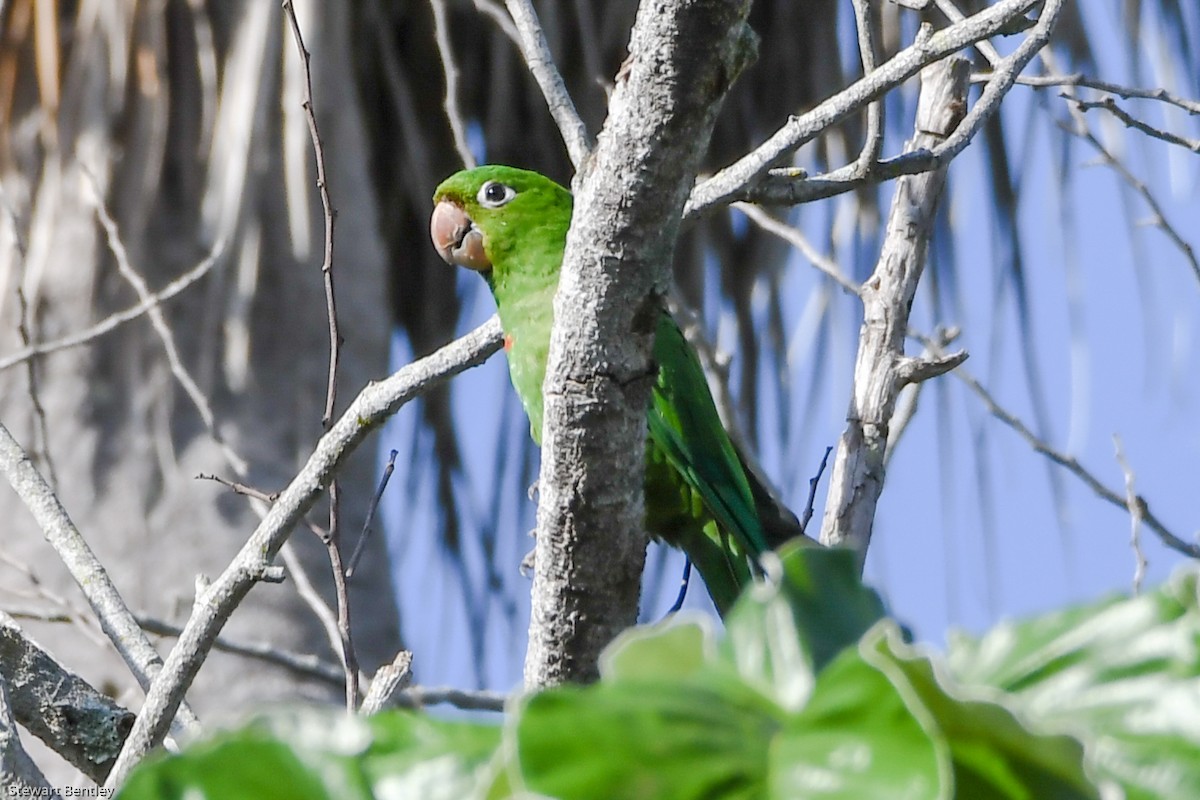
[494,194]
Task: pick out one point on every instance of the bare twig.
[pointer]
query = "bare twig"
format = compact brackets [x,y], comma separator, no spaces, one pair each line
[158,321]
[537,54]
[1082,130]
[954,14]
[866,20]
[1124,92]
[734,181]
[496,13]
[306,665]
[420,696]
[330,215]
[1133,503]
[316,603]
[332,540]
[371,509]
[1069,462]
[367,412]
[1110,105]
[387,680]
[441,34]
[822,262]
[115,618]
[239,488]
[881,369]
[41,447]
[813,483]
[114,321]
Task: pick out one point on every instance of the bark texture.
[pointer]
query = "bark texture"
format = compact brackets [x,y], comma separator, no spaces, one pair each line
[881,369]
[591,543]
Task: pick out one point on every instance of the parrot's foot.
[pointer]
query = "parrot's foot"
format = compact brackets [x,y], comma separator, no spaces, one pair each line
[532,490]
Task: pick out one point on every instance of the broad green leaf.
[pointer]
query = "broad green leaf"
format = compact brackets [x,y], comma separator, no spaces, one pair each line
[319,753]
[780,633]
[669,650]
[858,740]
[249,764]
[1122,675]
[994,755]
[699,737]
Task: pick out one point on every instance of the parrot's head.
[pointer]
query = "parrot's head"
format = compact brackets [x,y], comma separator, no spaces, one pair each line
[492,216]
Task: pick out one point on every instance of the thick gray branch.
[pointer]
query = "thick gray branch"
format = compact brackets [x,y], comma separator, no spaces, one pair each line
[882,369]
[116,620]
[79,723]
[369,410]
[19,776]
[591,544]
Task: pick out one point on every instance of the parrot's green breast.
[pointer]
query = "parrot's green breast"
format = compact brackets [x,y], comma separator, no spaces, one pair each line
[699,496]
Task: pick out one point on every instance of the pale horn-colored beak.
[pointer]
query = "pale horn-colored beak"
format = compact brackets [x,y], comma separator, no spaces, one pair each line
[456,238]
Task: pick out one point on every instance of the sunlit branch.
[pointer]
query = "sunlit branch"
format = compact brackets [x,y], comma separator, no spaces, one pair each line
[369,410]
[734,181]
[536,51]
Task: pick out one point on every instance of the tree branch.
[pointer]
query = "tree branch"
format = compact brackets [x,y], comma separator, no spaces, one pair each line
[591,544]
[733,181]
[19,776]
[881,369]
[116,619]
[79,723]
[536,51]
[368,411]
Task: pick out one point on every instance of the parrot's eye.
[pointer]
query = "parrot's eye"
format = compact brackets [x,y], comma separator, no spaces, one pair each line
[494,194]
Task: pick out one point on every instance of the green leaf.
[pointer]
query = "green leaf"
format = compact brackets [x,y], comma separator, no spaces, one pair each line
[1122,675]
[782,632]
[669,650]
[318,753]
[857,740]
[247,764]
[699,737]
[993,753]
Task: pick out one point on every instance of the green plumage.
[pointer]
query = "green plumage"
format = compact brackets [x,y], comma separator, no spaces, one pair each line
[699,494]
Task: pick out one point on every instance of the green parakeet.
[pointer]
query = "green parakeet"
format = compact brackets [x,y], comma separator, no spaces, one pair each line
[510,225]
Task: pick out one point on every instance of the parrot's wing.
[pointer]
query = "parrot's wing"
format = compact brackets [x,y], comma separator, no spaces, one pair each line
[685,427]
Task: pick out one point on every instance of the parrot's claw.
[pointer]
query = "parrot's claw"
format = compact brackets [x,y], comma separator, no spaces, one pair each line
[532,490]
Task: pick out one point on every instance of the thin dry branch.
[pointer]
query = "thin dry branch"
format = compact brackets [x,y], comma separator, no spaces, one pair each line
[536,51]
[158,321]
[1069,462]
[866,20]
[115,617]
[791,186]
[441,34]
[736,181]
[882,369]
[1120,90]
[1110,105]
[369,410]
[332,539]
[1082,130]
[1135,517]
[114,321]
